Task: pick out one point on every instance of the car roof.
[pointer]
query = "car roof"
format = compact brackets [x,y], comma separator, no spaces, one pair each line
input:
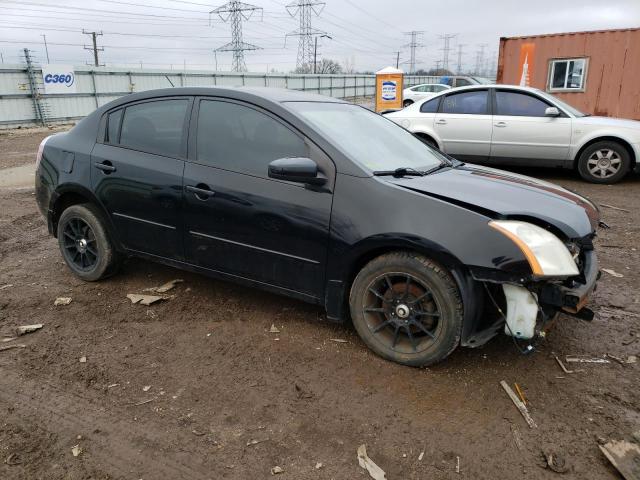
[266,93]
[484,87]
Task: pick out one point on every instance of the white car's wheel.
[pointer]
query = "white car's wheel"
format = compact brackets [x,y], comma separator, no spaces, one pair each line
[604,162]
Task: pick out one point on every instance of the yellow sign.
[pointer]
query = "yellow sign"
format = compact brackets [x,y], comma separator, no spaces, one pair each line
[389,86]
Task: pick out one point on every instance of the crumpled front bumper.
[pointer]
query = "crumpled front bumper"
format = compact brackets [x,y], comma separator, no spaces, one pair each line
[573,299]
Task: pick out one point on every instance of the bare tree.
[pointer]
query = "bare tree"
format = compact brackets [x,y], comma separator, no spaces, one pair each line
[324,66]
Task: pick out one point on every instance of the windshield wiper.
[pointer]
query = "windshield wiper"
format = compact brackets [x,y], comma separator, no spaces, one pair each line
[400,172]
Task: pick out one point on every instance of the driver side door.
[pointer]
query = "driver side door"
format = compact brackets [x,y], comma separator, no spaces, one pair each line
[238,220]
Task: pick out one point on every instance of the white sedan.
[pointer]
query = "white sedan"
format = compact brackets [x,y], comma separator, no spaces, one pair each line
[509,125]
[420,92]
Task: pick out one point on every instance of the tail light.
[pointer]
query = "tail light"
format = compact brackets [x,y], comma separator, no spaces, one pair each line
[41,150]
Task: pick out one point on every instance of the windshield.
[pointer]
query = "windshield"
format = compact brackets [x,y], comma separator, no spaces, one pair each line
[565,106]
[369,139]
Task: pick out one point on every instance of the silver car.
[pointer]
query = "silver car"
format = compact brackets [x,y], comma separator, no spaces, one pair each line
[509,125]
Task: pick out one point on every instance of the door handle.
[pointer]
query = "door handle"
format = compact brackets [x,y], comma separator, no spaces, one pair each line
[202,192]
[500,124]
[106,166]
[442,121]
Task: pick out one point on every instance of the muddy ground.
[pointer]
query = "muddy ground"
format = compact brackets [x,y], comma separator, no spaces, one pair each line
[197,387]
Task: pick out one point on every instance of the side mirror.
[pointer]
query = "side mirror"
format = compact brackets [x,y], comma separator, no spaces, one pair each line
[551,112]
[296,169]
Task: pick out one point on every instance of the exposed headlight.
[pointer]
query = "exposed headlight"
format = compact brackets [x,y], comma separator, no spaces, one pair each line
[546,254]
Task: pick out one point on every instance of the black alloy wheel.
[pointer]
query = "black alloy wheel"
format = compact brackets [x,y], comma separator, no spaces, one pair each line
[80,244]
[407,308]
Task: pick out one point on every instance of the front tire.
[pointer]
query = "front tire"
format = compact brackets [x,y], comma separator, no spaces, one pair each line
[604,162]
[84,243]
[407,309]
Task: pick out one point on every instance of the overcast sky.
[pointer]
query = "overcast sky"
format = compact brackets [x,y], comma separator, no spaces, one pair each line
[365,33]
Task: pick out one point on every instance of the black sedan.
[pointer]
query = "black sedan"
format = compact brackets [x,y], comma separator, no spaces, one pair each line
[324,201]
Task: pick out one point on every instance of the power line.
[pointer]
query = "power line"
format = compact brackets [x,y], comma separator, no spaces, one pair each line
[305,33]
[413,44]
[446,38]
[236,11]
[460,53]
[95,48]
[480,57]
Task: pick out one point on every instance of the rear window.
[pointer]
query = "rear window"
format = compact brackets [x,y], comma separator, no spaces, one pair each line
[113,126]
[155,127]
[473,103]
[431,106]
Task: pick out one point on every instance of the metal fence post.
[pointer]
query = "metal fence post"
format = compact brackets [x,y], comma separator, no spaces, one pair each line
[265,80]
[95,90]
[319,90]
[304,83]
[331,86]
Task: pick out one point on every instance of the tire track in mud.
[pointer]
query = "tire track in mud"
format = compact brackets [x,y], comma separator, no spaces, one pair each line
[123,449]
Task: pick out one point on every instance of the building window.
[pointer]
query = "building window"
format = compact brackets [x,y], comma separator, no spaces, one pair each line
[568,74]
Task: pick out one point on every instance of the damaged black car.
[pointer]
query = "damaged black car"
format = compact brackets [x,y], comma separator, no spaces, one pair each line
[324,201]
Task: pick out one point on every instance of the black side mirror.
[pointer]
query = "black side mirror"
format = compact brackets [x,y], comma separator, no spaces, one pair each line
[297,169]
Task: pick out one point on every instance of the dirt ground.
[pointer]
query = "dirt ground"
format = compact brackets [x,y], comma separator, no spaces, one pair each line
[197,387]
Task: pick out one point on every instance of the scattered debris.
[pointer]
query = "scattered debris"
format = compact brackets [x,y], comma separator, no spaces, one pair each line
[276,470]
[76,450]
[556,462]
[615,208]
[519,405]
[369,465]
[338,340]
[256,442]
[62,301]
[457,464]
[146,388]
[113,385]
[564,369]
[24,329]
[164,288]
[144,401]
[8,339]
[2,288]
[144,299]
[319,465]
[622,361]
[9,347]
[574,359]
[421,456]
[83,359]
[517,438]
[520,394]
[301,393]
[12,459]
[613,273]
[197,432]
[623,455]
[274,329]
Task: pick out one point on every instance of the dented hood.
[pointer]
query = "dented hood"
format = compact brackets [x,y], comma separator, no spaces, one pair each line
[500,194]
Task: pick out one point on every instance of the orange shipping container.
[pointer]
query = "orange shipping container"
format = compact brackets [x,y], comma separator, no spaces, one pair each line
[597,72]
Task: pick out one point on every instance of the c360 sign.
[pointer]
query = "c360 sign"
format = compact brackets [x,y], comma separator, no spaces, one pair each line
[58,79]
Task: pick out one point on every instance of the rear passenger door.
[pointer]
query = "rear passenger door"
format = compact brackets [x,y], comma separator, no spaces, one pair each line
[136,173]
[238,220]
[464,124]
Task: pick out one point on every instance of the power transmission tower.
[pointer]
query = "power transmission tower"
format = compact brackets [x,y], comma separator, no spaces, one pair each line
[94,39]
[413,44]
[446,48]
[480,57]
[460,47]
[235,12]
[304,9]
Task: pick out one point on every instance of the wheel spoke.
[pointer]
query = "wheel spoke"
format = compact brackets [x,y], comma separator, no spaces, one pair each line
[374,309]
[411,338]
[420,298]
[395,336]
[406,287]
[382,325]
[378,295]
[423,328]
[420,313]
[389,284]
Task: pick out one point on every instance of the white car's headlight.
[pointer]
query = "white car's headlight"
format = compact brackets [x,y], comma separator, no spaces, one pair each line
[546,254]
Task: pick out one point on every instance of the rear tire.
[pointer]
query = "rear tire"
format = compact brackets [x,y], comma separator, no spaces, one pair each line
[604,162]
[407,309]
[85,245]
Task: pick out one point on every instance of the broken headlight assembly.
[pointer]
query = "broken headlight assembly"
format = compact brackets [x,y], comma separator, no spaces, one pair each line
[546,254]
